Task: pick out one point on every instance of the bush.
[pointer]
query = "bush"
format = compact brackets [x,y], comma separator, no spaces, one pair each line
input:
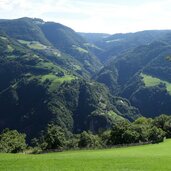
[117,132]
[142,130]
[164,122]
[53,138]
[11,141]
[156,135]
[72,142]
[88,140]
[105,138]
[130,136]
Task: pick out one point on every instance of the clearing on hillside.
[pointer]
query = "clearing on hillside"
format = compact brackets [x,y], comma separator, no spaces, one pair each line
[153,81]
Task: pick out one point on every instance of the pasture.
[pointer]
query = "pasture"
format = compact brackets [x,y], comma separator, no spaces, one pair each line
[155,157]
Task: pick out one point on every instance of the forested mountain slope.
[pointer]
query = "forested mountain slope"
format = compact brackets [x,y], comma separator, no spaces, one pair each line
[80,81]
[47,79]
[142,76]
[110,46]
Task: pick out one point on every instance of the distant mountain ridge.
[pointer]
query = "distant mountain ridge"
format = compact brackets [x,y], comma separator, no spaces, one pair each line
[116,44]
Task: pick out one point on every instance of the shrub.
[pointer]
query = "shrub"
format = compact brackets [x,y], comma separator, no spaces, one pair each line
[11,141]
[53,138]
[156,135]
[88,140]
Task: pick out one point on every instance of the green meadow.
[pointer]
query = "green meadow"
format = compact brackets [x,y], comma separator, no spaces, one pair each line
[153,81]
[33,44]
[155,157]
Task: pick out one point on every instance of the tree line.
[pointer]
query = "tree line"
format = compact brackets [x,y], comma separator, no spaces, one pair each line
[142,130]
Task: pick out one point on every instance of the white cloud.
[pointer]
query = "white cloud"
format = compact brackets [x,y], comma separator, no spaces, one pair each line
[94,16]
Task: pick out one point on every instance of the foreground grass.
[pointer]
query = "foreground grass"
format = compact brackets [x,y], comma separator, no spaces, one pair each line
[140,158]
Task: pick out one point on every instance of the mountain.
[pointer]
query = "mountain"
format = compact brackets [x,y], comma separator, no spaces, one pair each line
[51,34]
[113,45]
[142,76]
[80,81]
[94,37]
[68,41]
[46,74]
[24,29]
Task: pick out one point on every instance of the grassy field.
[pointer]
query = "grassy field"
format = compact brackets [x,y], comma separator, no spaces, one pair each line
[33,44]
[140,158]
[55,81]
[80,49]
[153,81]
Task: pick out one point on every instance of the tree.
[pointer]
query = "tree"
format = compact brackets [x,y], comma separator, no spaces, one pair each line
[130,136]
[88,140]
[142,126]
[167,128]
[105,138]
[164,122]
[72,142]
[161,120]
[156,135]
[117,132]
[11,141]
[53,138]
[143,121]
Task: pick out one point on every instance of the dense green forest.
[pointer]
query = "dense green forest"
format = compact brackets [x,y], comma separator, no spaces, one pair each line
[62,89]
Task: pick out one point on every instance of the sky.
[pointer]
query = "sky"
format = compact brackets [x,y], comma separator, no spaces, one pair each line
[100,16]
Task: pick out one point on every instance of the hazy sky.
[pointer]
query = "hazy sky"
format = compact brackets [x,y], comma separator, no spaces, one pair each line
[108,16]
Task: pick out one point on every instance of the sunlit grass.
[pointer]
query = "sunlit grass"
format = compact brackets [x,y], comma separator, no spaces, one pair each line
[55,81]
[140,158]
[153,81]
[3,38]
[33,44]
[80,49]
[10,48]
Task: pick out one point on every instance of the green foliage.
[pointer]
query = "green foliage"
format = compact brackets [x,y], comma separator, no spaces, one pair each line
[117,133]
[11,141]
[72,141]
[167,128]
[164,122]
[161,120]
[142,130]
[53,138]
[157,102]
[105,137]
[156,135]
[88,140]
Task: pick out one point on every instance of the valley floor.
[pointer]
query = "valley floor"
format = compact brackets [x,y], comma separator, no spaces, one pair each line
[140,158]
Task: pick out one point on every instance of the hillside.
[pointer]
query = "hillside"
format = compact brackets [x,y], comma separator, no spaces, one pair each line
[114,45]
[80,81]
[52,35]
[68,41]
[142,76]
[45,80]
